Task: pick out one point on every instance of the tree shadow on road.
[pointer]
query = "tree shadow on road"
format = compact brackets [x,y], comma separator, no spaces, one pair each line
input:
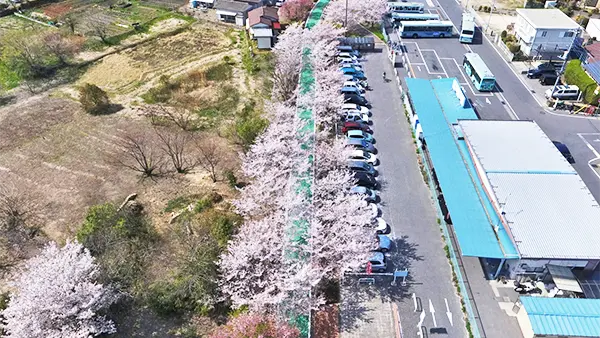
[363,295]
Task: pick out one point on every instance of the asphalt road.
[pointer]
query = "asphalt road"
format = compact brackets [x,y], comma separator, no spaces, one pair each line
[407,206]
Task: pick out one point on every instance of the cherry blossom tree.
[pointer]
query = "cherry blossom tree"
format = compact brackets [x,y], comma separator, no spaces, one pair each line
[295,10]
[360,12]
[57,296]
[288,57]
[255,326]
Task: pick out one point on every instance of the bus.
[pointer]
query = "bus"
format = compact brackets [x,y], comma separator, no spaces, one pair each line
[406,7]
[467,28]
[425,29]
[414,17]
[479,73]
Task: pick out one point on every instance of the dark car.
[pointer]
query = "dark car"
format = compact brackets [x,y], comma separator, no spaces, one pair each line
[356,126]
[549,79]
[544,68]
[366,180]
[564,151]
[356,99]
[361,145]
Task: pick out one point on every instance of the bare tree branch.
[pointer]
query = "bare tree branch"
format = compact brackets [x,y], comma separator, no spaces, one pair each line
[141,154]
[176,146]
[98,28]
[177,115]
[210,159]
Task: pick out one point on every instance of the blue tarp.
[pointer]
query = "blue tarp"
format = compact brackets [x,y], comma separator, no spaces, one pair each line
[438,109]
[569,317]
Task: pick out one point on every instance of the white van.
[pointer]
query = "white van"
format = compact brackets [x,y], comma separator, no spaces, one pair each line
[566,92]
[354,85]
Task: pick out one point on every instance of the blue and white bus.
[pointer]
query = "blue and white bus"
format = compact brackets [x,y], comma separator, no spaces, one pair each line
[406,7]
[467,28]
[425,29]
[479,73]
[414,17]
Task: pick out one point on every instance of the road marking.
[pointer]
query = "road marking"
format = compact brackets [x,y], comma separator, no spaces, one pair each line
[430,3]
[487,101]
[421,319]
[439,76]
[460,69]
[448,313]
[514,113]
[432,310]
[588,144]
[414,297]
[419,68]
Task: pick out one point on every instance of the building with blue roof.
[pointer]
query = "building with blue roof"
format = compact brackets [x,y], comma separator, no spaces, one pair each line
[509,195]
[558,317]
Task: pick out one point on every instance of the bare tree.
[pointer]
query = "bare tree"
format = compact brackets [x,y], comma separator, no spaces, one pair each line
[99,29]
[210,159]
[176,146]
[178,115]
[141,153]
[70,21]
[61,46]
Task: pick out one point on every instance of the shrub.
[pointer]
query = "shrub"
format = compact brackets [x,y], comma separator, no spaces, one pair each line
[93,99]
[503,35]
[575,74]
[230,177]
[4,298]
[179,203]
[513,47]
[480,8]
[248,129]
[219,72]
[203,204]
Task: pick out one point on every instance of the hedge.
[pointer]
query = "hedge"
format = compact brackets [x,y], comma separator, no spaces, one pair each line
[576,75]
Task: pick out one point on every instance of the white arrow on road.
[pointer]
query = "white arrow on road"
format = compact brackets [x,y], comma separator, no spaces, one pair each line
[487,101]
[432,310]
[421,319]
[448,313]
[419,68]
[415,301]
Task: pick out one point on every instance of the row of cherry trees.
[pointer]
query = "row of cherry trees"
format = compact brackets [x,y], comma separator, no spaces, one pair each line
[359,12]
[261,268]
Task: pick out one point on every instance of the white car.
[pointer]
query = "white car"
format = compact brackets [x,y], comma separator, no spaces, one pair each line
[361,155]
[354,106]
[346,55]
[381,226]
[353,84]
[355,117]
[369,195]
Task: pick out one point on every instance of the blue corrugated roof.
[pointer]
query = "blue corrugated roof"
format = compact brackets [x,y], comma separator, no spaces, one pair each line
[437,106]
[593,69]
[563,316]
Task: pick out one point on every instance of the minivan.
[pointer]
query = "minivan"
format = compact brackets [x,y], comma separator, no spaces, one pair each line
[566,92]
[360,166]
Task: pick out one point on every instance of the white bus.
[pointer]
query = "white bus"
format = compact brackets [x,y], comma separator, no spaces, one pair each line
[479,73]
[467,28]
[406,7]
[425,29]
[414,17]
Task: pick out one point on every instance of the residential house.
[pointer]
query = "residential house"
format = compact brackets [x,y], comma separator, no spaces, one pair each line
[234,12]
[263,26]
[593,28]
[591,61]
[545,33]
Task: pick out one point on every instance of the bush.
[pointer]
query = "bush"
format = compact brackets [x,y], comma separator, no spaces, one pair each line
[4,298]
[230,177]
[220,72]
[203,204]
[503,35]
[93,99]
[575,75]
[480,8]
[120,240]
[248,129]
[179,202]
[513,47]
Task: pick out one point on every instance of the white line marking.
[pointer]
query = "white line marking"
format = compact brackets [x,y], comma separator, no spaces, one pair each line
[588,144]
[448,313]
[414,297]
[430,3]
[419,68]
[432,310]
[514,113]
[487,101]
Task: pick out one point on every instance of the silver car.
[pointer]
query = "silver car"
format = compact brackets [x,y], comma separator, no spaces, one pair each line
[378,262]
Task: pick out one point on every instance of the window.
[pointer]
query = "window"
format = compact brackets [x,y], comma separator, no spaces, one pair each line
[544,33]
[568,34]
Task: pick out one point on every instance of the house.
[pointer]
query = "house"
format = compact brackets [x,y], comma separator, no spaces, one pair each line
[558,317]
[591,61]
[263,26]
[593,28]
[234,12]
[544,33]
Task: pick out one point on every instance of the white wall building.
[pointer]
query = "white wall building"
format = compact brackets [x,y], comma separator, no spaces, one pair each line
[544,32]
[593,28]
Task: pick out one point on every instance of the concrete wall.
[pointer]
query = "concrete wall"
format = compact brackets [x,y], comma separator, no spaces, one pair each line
[524,323]
[593,28]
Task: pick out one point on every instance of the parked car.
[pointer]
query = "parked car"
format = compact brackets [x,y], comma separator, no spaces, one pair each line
[378,262]
[381,226]
[361,155]
[351,77]
[359,166]
[544,68]
[350,63]
[354,84]
[356,117]
[354,72]
[347,55]
[369,195]
[351,90]
[360,135]
[348,49]
[356,126]
[548,79]
[563,92]
[353,106]
[361,145]
[356,99]
[385,243]
[366,180]
[564,150]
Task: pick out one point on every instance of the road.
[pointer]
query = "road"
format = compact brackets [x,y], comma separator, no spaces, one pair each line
[407,206]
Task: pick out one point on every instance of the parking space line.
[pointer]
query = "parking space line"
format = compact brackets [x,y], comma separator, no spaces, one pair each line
[420,55]
[437,57]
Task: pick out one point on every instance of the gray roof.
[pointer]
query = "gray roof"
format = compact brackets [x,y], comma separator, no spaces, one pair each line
[549,211]
[232,6]
[513,146]
[547,18]
[550,216]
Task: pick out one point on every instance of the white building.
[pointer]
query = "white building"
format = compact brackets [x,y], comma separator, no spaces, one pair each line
[593,28]
[544,32]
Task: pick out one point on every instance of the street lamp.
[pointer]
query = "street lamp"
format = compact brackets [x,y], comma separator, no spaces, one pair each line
[562,68]
[490,17]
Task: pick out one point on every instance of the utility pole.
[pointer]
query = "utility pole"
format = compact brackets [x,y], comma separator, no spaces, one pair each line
[562,68]
[346,20]
[490,17]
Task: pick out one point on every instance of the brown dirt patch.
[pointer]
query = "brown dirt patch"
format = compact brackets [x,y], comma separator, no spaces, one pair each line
[326,322]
